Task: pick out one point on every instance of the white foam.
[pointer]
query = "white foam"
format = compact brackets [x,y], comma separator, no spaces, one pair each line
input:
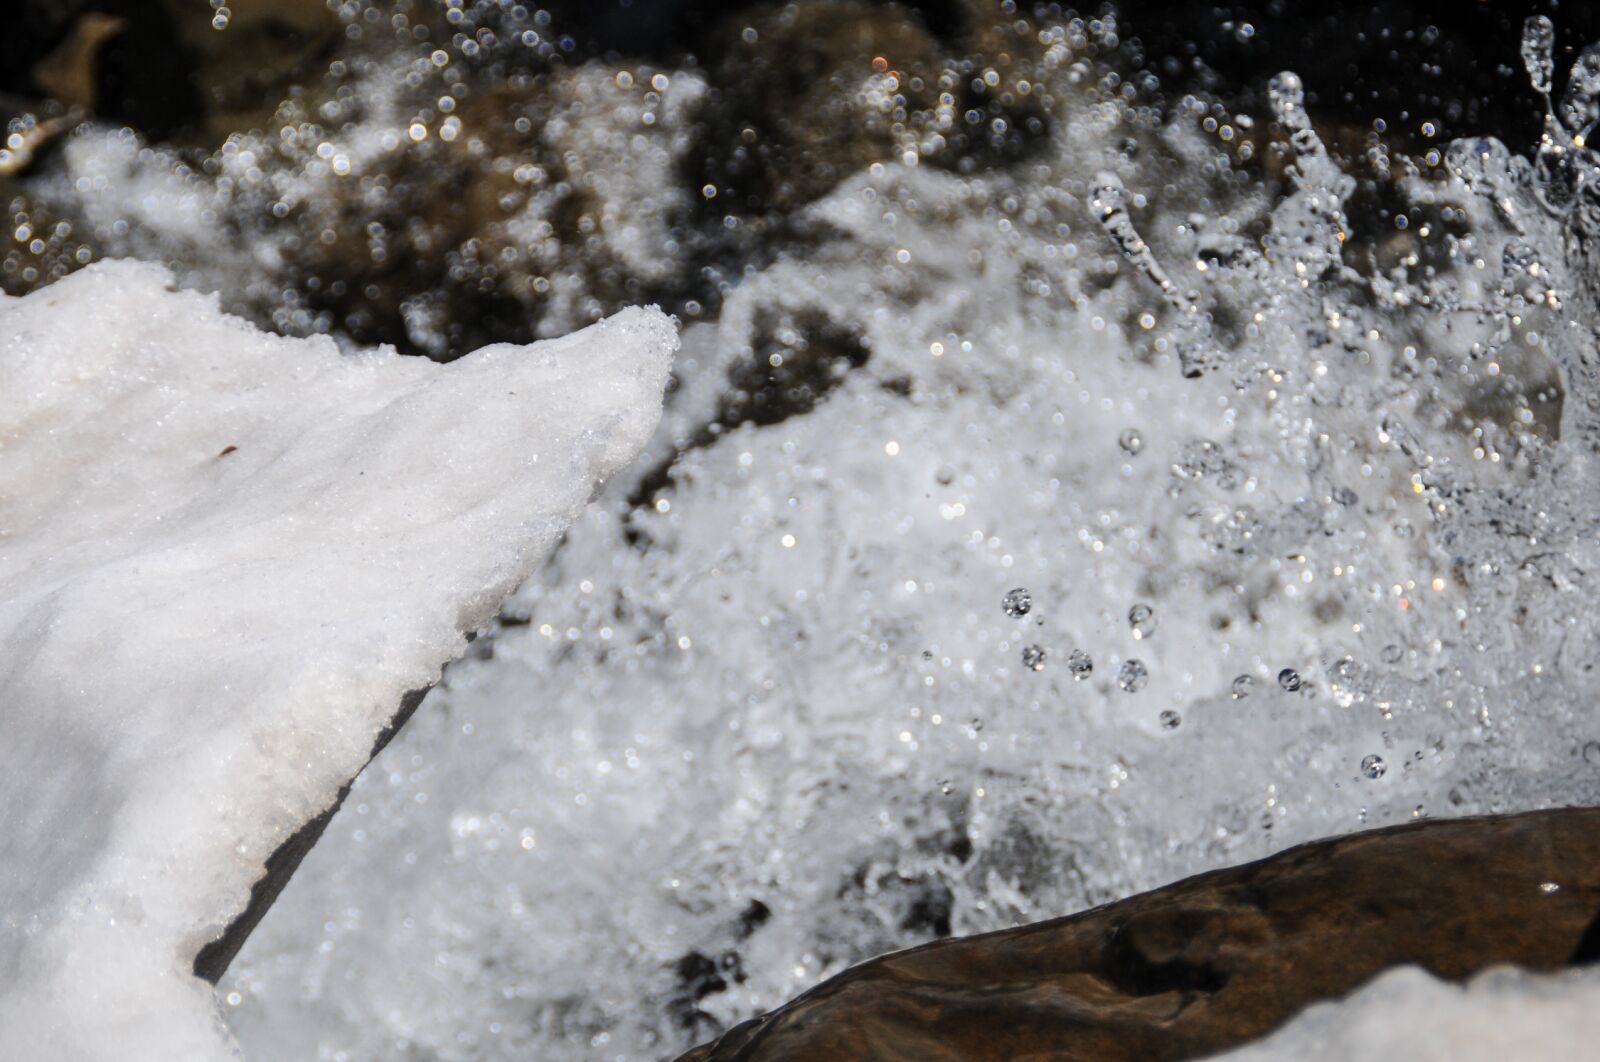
[225,556]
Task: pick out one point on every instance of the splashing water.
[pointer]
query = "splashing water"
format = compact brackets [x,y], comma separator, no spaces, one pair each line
[740,731]
[1357,447]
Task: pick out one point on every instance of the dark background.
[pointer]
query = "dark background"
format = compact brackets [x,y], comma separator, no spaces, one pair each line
[1454,62]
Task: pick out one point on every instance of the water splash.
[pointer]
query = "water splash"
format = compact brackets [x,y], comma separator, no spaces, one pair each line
[753,677]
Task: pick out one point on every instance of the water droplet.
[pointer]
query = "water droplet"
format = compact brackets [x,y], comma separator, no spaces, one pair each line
[1538,46]
[1170,720]
[1142,618]
[1131,442]
[1580,103]
[1391,654]
[1080,664]
[1289,679]
[1033,657]
[1017,603]
[1346,681]
[1373,766]
[1242,686]
[1133,675]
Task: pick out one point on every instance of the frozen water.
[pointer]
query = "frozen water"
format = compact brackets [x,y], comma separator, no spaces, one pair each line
[225,556]
[759,717]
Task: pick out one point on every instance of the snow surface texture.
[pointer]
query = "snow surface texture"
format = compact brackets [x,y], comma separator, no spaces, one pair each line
[1502,1013]
[765,715]
[224,558]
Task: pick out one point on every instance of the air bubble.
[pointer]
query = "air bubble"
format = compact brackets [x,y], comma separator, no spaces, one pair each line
[1033,657]
[1242,687]
[1373,766]
[1289,679]
[1131,442]
[1170,720]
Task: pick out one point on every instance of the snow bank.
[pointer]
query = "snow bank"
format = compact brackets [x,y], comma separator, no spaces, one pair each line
[225,556]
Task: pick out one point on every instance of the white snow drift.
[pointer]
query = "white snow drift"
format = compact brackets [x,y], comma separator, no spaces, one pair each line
[225,556]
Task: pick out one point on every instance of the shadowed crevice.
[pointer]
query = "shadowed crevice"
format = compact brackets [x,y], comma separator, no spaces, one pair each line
[1588,949]
[213,959]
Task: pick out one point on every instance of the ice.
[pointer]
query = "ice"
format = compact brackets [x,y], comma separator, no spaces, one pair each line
[225,556]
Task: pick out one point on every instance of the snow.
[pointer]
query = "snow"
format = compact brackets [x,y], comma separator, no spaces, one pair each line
[1405,1013]
[225,556]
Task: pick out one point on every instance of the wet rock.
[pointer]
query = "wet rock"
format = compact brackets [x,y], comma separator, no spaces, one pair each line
[1216,960]
[811,94]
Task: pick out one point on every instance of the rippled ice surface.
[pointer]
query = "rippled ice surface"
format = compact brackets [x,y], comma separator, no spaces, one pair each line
[1304,511]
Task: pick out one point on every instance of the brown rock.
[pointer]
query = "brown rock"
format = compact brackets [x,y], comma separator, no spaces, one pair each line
[1216,960]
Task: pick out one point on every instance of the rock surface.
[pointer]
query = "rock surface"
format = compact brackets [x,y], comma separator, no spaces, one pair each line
[1217,960]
